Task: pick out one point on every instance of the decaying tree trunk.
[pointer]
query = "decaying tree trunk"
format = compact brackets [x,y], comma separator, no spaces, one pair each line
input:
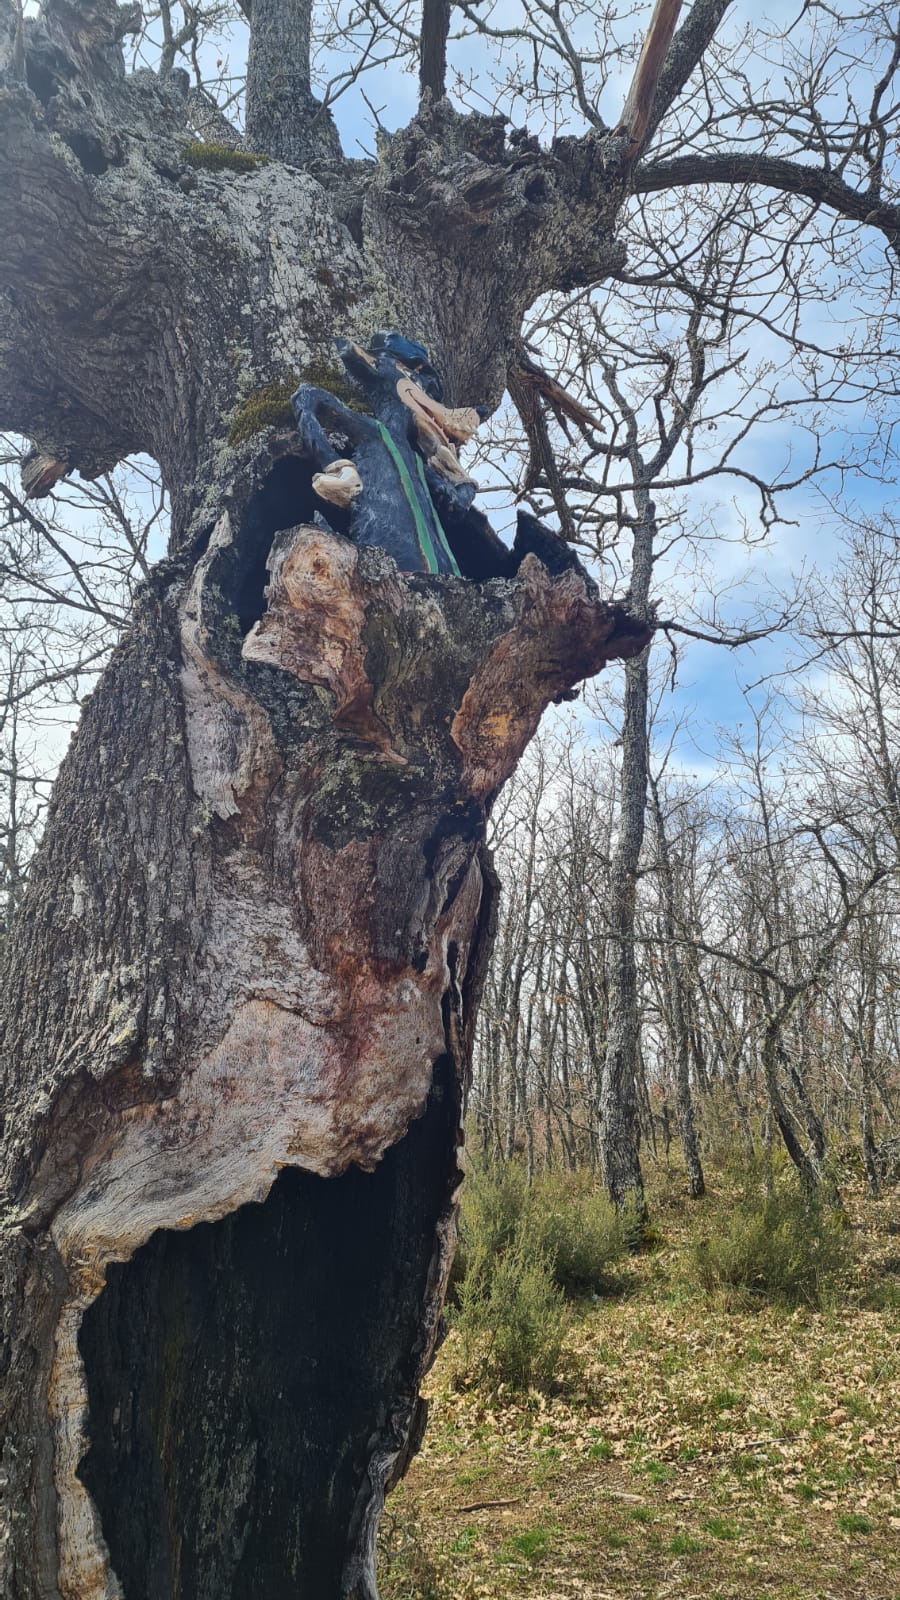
[248,964]
[241,991]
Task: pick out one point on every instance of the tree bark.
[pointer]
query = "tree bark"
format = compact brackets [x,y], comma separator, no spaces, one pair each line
[679,1030]
[242,986]
[248,963]
[619,1123]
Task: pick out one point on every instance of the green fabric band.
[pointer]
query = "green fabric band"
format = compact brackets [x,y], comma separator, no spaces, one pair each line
[426,545]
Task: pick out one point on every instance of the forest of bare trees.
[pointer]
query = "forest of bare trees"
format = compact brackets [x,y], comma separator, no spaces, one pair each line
[256,951]
[765,933]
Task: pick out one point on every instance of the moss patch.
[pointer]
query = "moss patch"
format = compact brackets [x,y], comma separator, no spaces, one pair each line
[266,407]
[221,157]
[327,377]
[269,406]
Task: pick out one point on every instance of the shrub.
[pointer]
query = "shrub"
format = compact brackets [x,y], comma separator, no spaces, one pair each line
[494,1198]
[570,1221]
[493,1202]
[521,1251]
[788,1248]
[580,1230]
[511,1318]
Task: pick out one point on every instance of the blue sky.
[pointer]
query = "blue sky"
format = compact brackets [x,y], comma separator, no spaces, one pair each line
[710,678]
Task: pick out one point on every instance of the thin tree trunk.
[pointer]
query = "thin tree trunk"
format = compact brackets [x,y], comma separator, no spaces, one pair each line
[676,1010]
[619,1126]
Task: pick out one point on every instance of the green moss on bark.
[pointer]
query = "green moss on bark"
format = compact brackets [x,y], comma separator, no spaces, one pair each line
[221,157]
[266,407]
[270,405]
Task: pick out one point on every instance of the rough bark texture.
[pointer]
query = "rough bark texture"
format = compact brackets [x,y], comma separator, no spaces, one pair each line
[242,988]
[619,1123]
[192,276]
[251,944]
[679,1029]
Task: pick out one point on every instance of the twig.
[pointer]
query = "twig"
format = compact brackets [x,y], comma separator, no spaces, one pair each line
[488,1505]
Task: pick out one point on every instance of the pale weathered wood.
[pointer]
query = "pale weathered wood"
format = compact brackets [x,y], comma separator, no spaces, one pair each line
[636,112]
[294,814]
[240,994]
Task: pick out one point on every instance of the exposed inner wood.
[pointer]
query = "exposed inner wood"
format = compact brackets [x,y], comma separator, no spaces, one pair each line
[635,116]
[236,1374]
[265,1024]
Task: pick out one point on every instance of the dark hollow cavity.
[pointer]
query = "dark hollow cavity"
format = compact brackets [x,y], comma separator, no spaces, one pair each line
[239,1375]
[89,152]
[285,500]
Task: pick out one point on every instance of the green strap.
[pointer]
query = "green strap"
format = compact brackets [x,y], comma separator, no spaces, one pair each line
[426,545]
[437,521]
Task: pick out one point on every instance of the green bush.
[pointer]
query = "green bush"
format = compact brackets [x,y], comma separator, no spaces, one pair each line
[511,1318]
[494,1198]
[573,1225]
[579,1229]
[788,1248]
[522,1250]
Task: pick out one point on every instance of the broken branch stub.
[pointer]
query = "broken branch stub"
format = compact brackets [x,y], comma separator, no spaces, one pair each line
[636,112]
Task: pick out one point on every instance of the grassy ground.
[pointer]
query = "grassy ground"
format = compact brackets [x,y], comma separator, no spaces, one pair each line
[693,1448]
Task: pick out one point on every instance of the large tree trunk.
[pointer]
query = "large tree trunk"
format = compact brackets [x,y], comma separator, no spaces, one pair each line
[244,985]
[241,990]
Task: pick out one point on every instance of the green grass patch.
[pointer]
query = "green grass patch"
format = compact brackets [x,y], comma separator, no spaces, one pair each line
[721,1528]
[531,1545]
[464,1542]
[725,1400]
[684,1545]
[614,1540]
[855,1522]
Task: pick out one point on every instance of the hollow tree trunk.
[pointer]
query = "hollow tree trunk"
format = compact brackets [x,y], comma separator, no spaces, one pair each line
[244,986]
[241,991]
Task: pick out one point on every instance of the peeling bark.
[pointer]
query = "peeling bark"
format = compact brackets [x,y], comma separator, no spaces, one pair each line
[252,944]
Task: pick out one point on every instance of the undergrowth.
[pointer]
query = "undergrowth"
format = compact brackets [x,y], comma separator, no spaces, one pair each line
[788,1248]
[731,1440]
[527,1251]
[523,1251]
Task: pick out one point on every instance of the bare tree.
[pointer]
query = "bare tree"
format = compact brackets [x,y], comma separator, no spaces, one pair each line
[253,938]
[676,1009]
